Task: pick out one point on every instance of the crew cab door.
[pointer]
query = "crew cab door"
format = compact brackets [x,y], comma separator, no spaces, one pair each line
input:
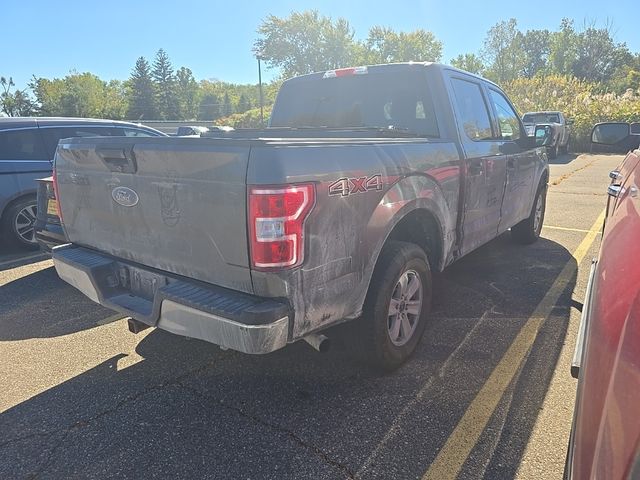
[484,163]
[521,158]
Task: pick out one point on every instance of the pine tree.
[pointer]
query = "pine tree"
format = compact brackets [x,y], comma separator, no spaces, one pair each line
[165,82]
[187,90]
[142,96]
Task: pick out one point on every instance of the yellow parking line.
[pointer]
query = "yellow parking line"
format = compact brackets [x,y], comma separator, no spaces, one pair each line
[552,227]
[464,437]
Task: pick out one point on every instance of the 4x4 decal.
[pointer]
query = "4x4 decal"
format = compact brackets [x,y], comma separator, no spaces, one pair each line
[349,186]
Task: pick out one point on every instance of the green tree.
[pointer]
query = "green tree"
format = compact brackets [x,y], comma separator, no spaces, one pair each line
[469,62]
[188,93]
[563,48]
[502,51]
[598,57]
[227,108]
[142,95]
[165,86]
[244,103]
[305,42]
[17,103]
[384,45]
[536,49]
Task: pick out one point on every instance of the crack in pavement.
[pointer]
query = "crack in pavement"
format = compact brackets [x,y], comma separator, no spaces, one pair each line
[297,439]
[563,177]
[176,381]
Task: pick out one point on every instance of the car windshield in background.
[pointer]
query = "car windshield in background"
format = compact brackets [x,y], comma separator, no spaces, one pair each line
[541,118]
[386,100]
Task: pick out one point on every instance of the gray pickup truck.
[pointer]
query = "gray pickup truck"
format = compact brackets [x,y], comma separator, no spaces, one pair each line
[367,180]
[560,127]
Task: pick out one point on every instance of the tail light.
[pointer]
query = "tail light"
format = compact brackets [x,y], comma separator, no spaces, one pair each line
[276,225]
[55,192]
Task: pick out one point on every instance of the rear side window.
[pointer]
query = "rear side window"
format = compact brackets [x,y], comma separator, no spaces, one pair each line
[52,136]
[376,99]
[22,145]
[472,109]
[508,119]
[133,132]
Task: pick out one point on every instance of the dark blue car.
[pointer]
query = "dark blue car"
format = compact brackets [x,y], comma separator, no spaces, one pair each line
[27,147]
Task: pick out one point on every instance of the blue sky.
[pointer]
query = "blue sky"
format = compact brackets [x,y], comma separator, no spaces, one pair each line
[214,38]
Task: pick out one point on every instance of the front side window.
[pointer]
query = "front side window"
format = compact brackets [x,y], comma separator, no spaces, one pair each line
[472,109]
[507,117]
[134,132]
[22,145]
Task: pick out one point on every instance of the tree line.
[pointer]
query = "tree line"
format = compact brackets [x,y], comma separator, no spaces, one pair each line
[154,91]
[305,42]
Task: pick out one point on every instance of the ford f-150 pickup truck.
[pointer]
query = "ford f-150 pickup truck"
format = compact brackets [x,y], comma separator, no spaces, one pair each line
[366,181]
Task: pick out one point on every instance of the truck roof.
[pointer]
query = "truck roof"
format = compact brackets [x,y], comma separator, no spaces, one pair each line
[390,66]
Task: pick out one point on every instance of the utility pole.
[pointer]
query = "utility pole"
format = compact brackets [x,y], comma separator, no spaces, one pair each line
[261,97]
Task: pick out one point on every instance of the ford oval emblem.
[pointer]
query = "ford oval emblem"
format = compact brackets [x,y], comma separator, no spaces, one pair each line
[125,196]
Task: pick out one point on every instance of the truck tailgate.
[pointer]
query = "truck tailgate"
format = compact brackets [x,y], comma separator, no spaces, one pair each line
[175,204]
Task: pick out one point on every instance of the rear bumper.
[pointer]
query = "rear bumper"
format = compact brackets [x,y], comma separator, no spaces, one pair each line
[231,319]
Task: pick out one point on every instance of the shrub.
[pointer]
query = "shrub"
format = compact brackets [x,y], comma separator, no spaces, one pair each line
[586,103]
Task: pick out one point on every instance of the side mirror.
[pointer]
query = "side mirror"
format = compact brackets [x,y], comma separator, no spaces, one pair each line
[543,135]
[569,121]
[610,133]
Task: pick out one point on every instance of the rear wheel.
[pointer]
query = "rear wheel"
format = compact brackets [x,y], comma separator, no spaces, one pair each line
[528,230]
[18,223]
[397,306]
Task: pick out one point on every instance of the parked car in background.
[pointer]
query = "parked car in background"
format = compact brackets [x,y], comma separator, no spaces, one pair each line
[561,129]
[605,438]
[27,147]
[46,228]
[189,130]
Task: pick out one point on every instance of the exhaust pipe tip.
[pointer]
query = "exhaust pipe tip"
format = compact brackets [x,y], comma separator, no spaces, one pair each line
[318,341]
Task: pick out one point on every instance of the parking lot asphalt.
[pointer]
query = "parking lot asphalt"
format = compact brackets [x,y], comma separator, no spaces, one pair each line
[487,394]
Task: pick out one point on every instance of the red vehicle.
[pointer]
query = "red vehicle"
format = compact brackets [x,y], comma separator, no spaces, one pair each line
[605,438]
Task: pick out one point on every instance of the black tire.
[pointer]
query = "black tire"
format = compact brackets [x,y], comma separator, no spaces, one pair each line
[21,211]
[373,331]
[528,230]
[552,152]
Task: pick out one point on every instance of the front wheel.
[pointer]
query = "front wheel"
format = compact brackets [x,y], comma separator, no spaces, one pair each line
[397,306]
[528,230]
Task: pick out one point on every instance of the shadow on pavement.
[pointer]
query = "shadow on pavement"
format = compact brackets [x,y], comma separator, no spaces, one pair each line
[190,410]
[40,305]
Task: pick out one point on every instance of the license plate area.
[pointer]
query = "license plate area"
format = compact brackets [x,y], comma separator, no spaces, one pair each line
[52,207]
[138,282]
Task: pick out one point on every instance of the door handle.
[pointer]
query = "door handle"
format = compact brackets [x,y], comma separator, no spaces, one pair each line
[615,175]
[615,190]
[475,168]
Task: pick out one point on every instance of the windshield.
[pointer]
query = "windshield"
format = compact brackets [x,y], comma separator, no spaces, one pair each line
[375,99]
[541,118]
